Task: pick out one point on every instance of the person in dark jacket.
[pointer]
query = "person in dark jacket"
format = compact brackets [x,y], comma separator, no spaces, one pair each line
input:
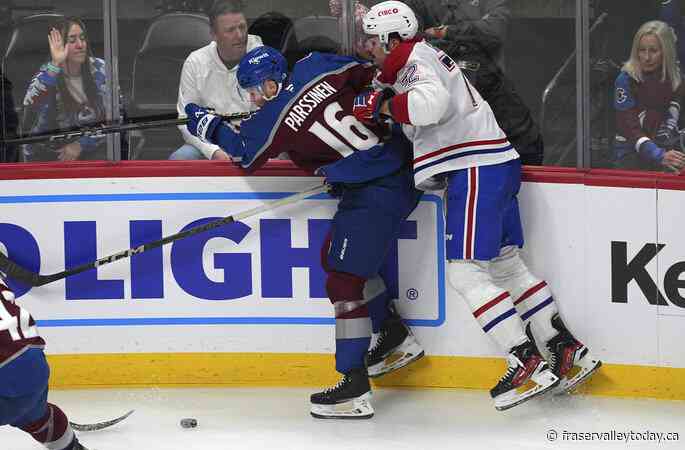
[472,33]
[8,121]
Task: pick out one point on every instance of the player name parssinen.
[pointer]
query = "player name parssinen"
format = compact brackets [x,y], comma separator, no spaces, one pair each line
[313,98]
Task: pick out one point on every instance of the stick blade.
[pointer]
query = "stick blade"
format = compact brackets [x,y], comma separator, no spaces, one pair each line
[99,425]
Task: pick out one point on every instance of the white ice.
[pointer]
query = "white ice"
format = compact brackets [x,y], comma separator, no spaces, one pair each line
[270,418]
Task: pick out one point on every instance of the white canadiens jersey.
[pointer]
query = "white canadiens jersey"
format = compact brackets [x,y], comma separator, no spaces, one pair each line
[449,123]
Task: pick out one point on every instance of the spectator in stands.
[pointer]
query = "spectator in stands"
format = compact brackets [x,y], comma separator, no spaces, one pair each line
[648,95]
[209,78]
[488,19]
[67,92]
[8,120]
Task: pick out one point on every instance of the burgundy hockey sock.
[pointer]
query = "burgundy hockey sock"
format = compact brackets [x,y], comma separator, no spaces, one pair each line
[53,430]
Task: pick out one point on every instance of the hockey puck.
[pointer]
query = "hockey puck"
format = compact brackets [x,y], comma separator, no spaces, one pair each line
[188,423]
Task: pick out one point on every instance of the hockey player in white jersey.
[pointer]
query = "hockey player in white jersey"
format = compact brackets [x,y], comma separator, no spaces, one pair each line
[459,147]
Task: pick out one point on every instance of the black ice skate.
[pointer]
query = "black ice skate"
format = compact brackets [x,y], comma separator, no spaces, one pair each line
[395,347]
[349,399]
[528,376]
[571,361]
[78,446]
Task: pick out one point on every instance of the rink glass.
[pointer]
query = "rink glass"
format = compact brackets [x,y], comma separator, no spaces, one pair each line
[150,63]
[569,93]
[24,48]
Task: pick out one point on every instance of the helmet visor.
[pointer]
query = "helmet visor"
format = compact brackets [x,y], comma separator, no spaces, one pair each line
[253,94]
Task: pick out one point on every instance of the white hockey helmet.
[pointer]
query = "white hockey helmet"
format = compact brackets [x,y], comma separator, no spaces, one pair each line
[391,17]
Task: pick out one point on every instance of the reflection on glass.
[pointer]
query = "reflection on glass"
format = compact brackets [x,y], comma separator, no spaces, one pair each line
[539,53]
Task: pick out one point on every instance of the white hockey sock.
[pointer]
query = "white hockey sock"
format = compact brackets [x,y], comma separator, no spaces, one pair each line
[531,296]
[491,306]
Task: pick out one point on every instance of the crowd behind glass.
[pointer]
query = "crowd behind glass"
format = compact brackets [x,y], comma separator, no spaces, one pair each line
[520,54]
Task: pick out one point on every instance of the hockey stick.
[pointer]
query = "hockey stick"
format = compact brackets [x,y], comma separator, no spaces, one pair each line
[101,130]
[14,270]
[99,425]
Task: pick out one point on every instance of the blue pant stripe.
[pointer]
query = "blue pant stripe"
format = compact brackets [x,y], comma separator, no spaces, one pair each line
[498,319]
[349,353]
[536,309]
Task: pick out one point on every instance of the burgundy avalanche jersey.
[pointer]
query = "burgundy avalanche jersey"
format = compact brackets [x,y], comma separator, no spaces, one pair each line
[18,332]
[311,120]
[641,107]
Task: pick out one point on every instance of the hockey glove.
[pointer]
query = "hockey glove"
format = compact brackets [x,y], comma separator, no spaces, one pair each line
[367,106]
[652,151]
[667,133]
[336,190]
[201,122]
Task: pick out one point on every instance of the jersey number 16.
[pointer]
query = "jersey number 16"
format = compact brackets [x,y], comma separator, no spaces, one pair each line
[355,136]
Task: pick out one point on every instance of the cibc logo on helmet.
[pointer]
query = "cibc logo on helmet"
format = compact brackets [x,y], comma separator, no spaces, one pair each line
[387,12]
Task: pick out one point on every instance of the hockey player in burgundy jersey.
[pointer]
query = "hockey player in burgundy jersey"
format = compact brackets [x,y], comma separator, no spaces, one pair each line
[459,147]
[307,114]
[24,374]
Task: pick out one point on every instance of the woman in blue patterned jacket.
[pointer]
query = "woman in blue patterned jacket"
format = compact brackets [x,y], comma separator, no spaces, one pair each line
[67,92]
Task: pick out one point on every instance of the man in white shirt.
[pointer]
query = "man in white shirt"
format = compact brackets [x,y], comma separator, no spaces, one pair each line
[209,75]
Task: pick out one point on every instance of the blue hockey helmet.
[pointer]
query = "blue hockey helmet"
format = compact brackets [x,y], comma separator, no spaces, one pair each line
[261,64]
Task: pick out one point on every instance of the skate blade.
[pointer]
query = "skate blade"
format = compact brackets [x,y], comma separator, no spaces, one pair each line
[357,408]
[401,357]
[578,375]
[538,385]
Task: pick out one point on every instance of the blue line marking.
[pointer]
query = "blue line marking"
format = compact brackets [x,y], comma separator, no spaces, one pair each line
[138,321]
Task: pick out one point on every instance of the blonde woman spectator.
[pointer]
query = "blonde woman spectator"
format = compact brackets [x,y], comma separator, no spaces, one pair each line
[648,95]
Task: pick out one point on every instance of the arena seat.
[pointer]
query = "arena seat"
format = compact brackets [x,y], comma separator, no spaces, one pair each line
[168,41]
[274,28]
[311,33]
[26,51]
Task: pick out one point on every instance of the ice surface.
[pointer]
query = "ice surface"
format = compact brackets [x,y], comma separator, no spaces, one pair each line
[416,419]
